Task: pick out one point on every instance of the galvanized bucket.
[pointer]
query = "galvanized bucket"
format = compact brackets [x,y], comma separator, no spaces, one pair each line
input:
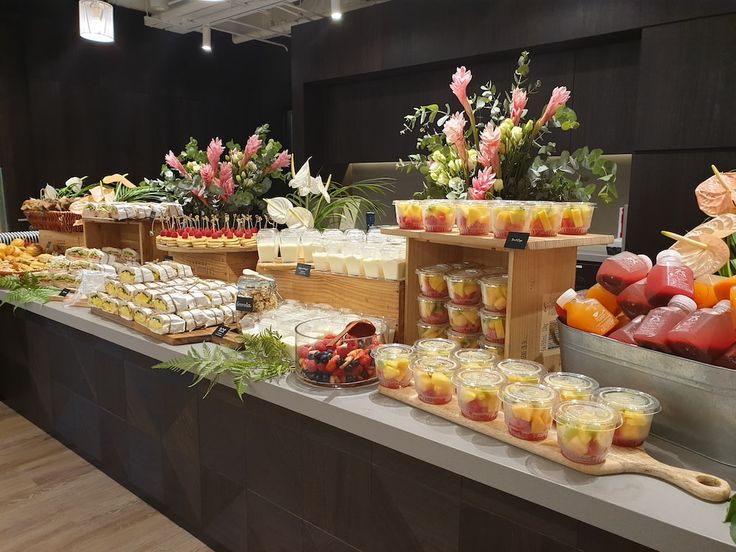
[698,400]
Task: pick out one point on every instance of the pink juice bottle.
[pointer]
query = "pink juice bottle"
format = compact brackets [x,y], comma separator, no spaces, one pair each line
[626,333]
[728,359]
[705,335]
[669,277]
[620,271]
[653,330]
[633,300]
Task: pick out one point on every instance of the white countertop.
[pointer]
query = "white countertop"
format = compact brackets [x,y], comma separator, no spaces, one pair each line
[636,507]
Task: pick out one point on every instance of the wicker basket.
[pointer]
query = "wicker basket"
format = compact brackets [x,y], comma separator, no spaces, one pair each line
[58,221]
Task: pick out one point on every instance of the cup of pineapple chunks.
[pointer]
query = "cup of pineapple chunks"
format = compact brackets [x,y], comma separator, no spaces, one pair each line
[433,379]
[527,410]
[585,430]
[494,290]
[576,217]
[392,365]
[477,393]
[636,409]
[432,280]
[473,217]
[409,214]
[546,219]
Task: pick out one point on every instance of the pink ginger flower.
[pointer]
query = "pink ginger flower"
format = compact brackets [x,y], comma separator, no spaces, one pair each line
[559,98]
[459,87]
[173,162]
[518,104]
[200,195]
[226,180]
[252,146]
[482,184]
[490,141]
[283,160]
[454,129]
[214,152]
[208,175]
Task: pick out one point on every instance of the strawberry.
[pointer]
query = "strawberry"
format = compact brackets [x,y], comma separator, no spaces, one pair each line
[303,351]
[247,235]
[185,235]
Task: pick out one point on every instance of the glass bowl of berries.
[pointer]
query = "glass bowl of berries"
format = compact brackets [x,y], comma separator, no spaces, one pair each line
[324,359]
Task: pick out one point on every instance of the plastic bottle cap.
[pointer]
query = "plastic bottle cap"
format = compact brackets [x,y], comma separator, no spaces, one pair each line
[683,302]
[723,305]
[566,297]
[668,254]
[646,260]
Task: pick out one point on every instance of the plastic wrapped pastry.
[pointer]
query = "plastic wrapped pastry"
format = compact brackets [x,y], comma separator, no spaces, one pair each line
[189,321]
[162,302]
[126,311]
[111,287]
[182,270]
[127,291]
[142,314]
[229,314]
[114,252]
[136,275]
[166,324]
[129,255]
[95,299]
[111,305]
[214,317]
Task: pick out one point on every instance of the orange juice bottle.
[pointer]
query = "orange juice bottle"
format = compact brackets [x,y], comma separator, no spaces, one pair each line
[733,306]
[605,298]
[587,315]
[705,290]
[722,288]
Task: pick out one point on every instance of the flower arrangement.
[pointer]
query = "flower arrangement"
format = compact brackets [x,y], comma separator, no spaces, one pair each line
[225,178]
[497,152]
[318,204]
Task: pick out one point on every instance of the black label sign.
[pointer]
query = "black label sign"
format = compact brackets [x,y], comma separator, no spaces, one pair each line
[220,331]
[169,258]
[303,269]
[516,240]
[64,292]
[244,304]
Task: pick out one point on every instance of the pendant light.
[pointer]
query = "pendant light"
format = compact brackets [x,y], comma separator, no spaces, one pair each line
[336,10]
[206,38]
[95,21]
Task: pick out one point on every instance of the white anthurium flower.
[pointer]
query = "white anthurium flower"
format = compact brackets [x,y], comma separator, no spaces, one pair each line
[319,187]
[49,192]
[278,209]
[301,179]
[299,217]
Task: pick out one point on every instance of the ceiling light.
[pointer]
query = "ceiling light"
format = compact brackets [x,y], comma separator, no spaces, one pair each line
[95,21]
[336,10]
[206,38]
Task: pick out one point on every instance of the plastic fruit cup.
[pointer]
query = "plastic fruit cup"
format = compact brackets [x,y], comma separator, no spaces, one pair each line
[432,280]
[463,286]
[433,379]
[493,325]
[571,387]
[509,216]
[477,393]
[585,430]
[637,410]
[546,219]
[425,330]
[473,217]
[438,215]
[392,365]
[495,348]
[432,310]
[437,347]
[464,318]
[521,371]
[463,340]
[494,290]
[474,359]
[409,214]
[527,409]
[576,218]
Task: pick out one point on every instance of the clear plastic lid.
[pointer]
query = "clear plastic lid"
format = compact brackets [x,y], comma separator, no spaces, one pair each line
[403,201]
[535,395]
[495,348]
[568,381]
[495,280]
[435,346]
[355,235]
[433,364]
[427,326]
[474,358]
[460,308]
[518,368]
[439,269]
[425,299]
[464,274]
[494,270]
[486,314]
[580,203]
[392,351]
[594,416]
[622,398]
[464,339]
[486,380]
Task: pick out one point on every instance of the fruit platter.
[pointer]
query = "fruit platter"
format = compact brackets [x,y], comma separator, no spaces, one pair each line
[237,233]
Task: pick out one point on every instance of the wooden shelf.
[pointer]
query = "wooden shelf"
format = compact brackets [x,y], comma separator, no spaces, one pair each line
[136,234]
[489,242]
[175,249]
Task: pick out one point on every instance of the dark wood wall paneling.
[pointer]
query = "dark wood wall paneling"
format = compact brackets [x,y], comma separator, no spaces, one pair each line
[82,108]
[648,77]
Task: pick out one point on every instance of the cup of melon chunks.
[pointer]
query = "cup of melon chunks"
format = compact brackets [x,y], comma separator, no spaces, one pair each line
[392,365]
[463,286]
[636,409]
[493,325]
[431,310]
[546,219]
[432,280]
[409,214]
[464,318]
[473,217]
[494,290]
[576,218]
[527,410]
[438,215]
[433,379]
[585,430]
[509,216]
[477,393]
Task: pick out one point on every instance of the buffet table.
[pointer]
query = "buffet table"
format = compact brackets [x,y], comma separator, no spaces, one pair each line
[298,468]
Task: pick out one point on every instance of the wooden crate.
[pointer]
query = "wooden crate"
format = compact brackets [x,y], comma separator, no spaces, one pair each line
[136,234]
[367,296]
[58,242]
[222,264]
[537,276]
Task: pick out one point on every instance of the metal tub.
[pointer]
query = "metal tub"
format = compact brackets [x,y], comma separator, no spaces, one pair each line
[698,400]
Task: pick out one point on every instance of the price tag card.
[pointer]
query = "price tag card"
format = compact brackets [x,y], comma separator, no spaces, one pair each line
[220,331]
[516,240]
[168,258]
[303,269]
[244,304]
[64,292]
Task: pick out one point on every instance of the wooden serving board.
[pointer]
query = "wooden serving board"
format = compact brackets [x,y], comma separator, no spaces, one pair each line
[186,338]
[237,249]
[619,459]
[68,299]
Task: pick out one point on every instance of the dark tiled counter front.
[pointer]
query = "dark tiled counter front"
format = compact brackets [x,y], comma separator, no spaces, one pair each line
[256,476]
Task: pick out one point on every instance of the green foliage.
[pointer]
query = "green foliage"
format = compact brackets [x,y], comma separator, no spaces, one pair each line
[264,356]
[143,192]
[25,289]
[731,517]
[572,177]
